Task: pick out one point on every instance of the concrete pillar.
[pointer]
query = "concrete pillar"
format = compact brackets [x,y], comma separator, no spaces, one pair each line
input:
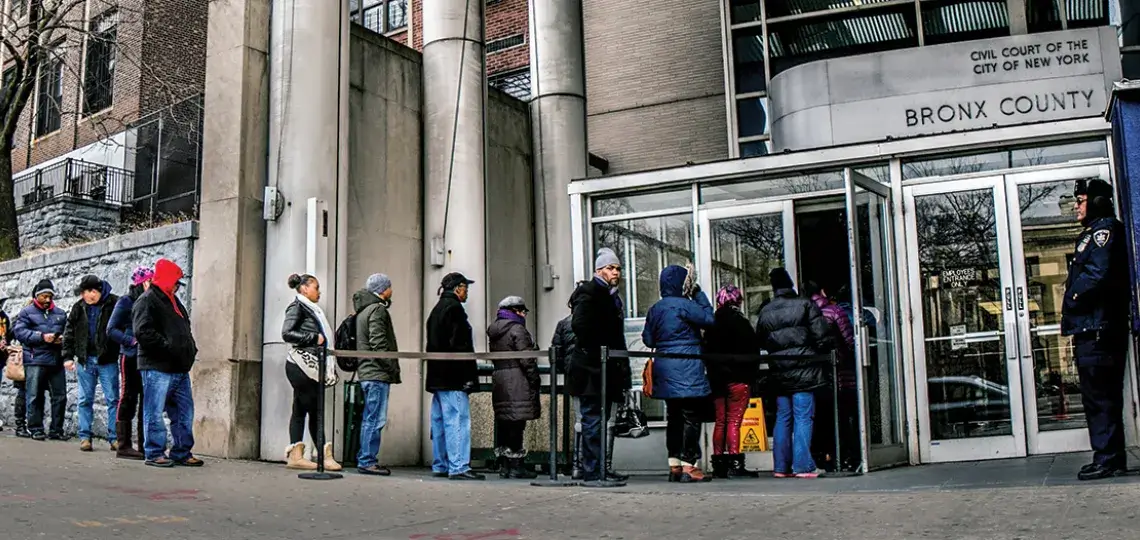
[454,86]
[229,256]
[306,164]
[558,120]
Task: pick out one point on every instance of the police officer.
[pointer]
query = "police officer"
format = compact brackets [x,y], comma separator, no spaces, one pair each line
[1095,314]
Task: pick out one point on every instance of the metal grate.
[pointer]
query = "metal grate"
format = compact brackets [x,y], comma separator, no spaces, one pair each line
[516,83]
[505,43]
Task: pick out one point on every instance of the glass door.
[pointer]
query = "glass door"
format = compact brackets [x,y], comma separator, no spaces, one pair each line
[743,243]
[967,360]
[874,317]
[1043,228]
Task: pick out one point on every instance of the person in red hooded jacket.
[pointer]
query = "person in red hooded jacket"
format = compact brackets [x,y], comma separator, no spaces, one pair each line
[166,352]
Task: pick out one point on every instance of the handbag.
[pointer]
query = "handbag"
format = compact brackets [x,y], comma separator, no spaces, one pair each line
[310,364]
[647,378]
[630,421]
[14,365]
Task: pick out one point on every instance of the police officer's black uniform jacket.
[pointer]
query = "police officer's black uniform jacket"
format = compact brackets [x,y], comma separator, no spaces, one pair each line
[1097,291]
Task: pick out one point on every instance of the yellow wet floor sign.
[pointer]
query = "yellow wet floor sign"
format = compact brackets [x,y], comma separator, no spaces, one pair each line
[753,431]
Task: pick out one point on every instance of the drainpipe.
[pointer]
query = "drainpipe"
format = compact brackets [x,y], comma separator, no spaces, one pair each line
[558,122]
[454,87]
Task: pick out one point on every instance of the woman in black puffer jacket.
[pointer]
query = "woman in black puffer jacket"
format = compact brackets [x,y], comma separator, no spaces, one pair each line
[515,386]
[793,326]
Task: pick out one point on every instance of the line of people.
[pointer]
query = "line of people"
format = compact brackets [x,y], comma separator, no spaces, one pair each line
[137,347]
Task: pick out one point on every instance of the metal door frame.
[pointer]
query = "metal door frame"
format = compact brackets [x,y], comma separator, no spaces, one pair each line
[979,448]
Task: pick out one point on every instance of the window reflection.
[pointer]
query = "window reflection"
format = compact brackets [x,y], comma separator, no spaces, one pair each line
[744,251]
[642,202]
[645,247]
[1005,159]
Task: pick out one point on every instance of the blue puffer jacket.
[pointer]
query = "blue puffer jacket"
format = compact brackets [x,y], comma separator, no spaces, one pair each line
[121,330]
[673,324]
[31,325]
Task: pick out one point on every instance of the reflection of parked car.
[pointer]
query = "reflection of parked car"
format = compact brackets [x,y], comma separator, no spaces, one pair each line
[965,406]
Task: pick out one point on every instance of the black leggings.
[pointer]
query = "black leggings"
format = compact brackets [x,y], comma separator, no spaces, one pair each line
[130,401]
[306,396]
[510,434]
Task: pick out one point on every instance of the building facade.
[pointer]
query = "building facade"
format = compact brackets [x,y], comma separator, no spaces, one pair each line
[916,159]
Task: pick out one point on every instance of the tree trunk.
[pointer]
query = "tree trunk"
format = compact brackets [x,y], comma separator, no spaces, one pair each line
[9,228]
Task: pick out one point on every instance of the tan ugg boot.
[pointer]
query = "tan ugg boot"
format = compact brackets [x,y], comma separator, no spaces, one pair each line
[295,458]
[330,463]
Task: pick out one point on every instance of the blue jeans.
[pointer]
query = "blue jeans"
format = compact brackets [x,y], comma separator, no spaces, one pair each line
[590,411]
[450,432]
[794,418]
[89,373]
[170,393]
[375,418]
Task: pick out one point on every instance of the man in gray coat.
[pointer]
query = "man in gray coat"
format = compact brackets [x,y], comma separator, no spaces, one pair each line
[374,332]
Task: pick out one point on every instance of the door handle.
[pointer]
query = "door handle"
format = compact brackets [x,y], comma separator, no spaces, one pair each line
[1011,341]
[1021,299]
[1008,299]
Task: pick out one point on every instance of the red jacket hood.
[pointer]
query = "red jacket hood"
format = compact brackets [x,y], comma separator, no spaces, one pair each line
[166,274]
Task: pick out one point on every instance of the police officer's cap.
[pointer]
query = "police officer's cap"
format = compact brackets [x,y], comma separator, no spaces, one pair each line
[1093,188]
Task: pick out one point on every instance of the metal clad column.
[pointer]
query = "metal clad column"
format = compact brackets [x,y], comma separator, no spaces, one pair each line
[306,133]
[454,86]
[558,121]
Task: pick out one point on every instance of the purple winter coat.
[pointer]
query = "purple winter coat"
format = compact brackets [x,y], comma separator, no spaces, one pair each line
[838,320]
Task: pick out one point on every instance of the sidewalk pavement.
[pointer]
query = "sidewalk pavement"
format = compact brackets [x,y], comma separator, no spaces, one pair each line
[50,490]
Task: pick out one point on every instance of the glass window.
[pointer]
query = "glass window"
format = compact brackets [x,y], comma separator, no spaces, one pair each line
[772,187]
[1062,153]
[99,65]
[1043,15]
[748,60]
[645,247]
[752,117]
[1086,13]
[380,16]
[643,202]
[745,11]
[754,148]
[49,93]
[797,41]
[964,164]
[515,82]
[397,15]
[949,21]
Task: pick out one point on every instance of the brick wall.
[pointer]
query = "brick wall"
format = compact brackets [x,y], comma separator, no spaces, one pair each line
[673,47]
[504,18]
[161,55]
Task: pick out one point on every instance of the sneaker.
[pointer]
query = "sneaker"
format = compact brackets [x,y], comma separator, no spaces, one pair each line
[39,436]
[782,475]
[374,470]
[23,433]
[85,445]
[58,437]
[190,462]
[469,475]
[163,462]
[1101,472]
[812,474]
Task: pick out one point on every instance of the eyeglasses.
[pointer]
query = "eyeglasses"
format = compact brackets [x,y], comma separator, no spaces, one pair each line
[1082,200]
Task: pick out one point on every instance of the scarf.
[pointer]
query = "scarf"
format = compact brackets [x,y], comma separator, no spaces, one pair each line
[50,306]
[326,329]
[511,316]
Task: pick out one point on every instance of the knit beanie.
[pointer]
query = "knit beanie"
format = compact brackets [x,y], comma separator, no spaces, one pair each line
[377,284]
[43,286]
[141,275]
[606,257]
[780,279]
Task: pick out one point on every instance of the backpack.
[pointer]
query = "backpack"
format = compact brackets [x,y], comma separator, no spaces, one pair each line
[346,341]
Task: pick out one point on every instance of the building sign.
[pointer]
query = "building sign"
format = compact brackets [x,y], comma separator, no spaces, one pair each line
[945,88]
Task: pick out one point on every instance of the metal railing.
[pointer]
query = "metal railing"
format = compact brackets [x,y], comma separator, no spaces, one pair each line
[73,178]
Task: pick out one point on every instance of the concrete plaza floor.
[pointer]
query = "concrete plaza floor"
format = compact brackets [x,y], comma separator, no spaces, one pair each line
[51,490]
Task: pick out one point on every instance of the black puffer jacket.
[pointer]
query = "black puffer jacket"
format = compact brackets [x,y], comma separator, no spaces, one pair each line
[566,344]
[598,321]
[515,382]
[791,325]
[301,328]
[448,330]
[77,335]
[731,333]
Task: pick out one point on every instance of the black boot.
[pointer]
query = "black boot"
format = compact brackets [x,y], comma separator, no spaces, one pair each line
[22,428]
[720,466]
[611,474]
[576,469]
[517,469]
[735,465]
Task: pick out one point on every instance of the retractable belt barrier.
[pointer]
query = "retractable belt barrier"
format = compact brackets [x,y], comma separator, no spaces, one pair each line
[765,362]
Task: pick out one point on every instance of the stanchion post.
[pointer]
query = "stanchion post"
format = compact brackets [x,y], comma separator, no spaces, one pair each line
[320,442]
[605,413]
[835,407]
[553,416]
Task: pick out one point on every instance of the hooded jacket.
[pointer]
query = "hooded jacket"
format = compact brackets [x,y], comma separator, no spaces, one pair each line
[597,321]
[120,329]
[31,324]
[374,332]
[515,382]
[448,330]
[565,344]
[674,324]
[78,336]
[162,324]
[731,333]
[791,325]
[837,319]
